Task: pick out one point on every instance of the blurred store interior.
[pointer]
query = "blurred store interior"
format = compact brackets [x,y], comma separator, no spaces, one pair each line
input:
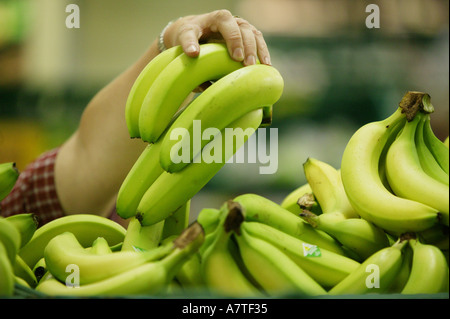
[338,73]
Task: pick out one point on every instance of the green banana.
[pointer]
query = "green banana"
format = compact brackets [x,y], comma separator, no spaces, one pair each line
[176,81]
[221,272]
[26,223]
[406,176]
[404,273]
[438,148]
[10,237]
[23,271]
[364,186]
[86,227]
[64,250]
[326,185]
[40,269]
[142,238]
[8,177]
[190,276]
[301,198]
[446,142]
[142,85]
[178,221]
[376,274]
[6,273]
[149,278]
[261,209]
[273,269]
[171,190]
[327,268]
[357,234]
[100,246]
[427,161]
[429,270]
[209,219]
[228,99]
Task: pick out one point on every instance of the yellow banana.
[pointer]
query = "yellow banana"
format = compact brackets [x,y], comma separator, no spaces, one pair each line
[301,198]
[426,158]
[221,271]
[26,224]
[326,267]
[429,270]
[65,250]
[326,184]
[149,278]
[276,273]
[404,273]
[8,177]
[6,273]
[438,148]
[142,238]
[10,237]
[357,234]
[261,209]
[171,190]
[228,99]
[364,186]
[143,84]
[176,81]
[86,228]
[406,176]
[375,275]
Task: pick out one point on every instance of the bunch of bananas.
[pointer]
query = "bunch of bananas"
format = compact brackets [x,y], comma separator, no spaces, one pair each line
[239,98]
[88,252]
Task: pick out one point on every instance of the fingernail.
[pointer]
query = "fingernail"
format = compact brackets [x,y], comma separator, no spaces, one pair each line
[267,61]
[250,60]
[191,49]
[238,54]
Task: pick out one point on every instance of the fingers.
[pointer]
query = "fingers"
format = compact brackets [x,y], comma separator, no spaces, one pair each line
[244,42]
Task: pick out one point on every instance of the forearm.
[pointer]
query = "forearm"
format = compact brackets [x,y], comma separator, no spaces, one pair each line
[92,164]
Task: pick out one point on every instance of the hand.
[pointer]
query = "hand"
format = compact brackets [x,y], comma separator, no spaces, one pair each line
[245,43]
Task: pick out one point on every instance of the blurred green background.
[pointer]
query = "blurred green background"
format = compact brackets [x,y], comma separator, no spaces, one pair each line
[338,73]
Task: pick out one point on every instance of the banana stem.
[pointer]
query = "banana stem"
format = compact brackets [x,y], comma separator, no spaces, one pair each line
[414,102]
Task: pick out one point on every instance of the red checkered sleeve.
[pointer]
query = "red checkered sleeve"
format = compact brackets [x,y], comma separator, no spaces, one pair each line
[34,191]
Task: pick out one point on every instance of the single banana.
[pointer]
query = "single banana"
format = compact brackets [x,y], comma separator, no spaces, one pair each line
[375,275]
[149,278]
[190,275]
[357,234]
[6,273]
[220,269]
[23,271]
[438,148]
[427,161]
[40,269]
[404,273]
[326,184]
[8,177]
[365,189]
[100,246]
[209,219]
[258,208]
[227,100]
[408,179]
[446,141]
[301,198]
[142,238]
[273,269]
[172,190]
[10,237]
[26,223]
[86,227]
[64,250]
[429,270]
[178,221]
[142,85]
[176,81]
[327,268]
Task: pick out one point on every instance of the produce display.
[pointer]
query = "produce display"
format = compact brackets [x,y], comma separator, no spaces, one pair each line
[376,225]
